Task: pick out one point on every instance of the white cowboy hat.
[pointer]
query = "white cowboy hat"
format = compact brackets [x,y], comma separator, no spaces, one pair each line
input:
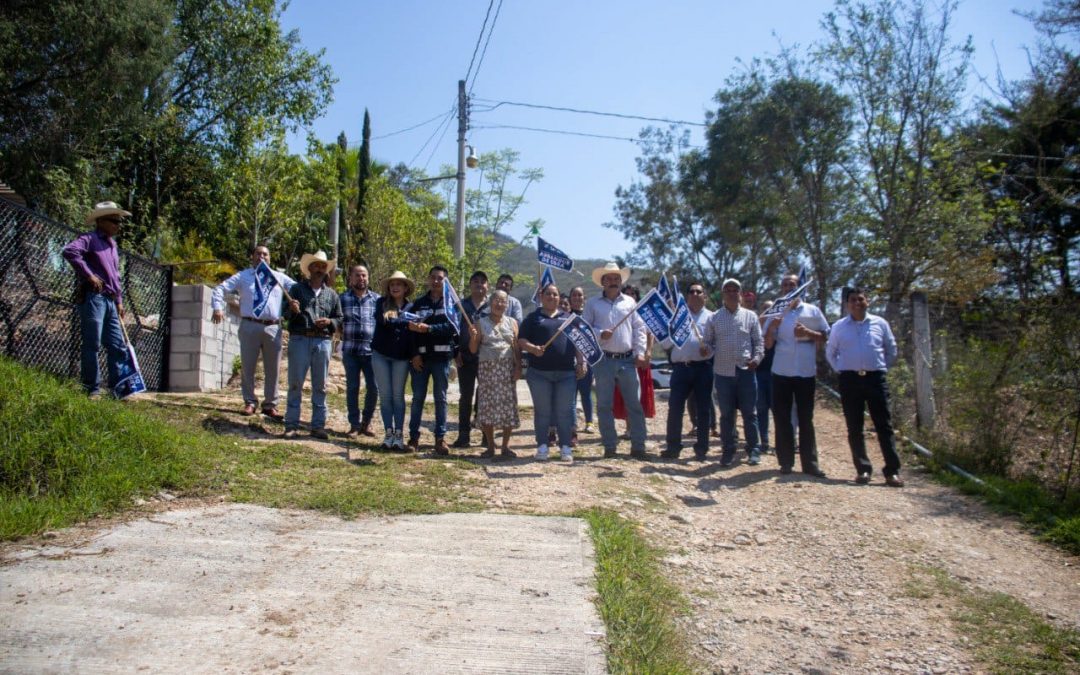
[317,256]
[398,275]
[610,268]
[105,209]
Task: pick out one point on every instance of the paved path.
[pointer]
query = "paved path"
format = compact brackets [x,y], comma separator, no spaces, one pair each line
[239,588]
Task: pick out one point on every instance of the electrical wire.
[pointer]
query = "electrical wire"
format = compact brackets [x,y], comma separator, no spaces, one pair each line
[484,51]
[581,111]
[415,126]
[423,147]
[446,128]
[564,132]
[479,37]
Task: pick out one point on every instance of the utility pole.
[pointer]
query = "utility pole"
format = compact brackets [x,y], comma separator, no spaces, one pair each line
[463,123]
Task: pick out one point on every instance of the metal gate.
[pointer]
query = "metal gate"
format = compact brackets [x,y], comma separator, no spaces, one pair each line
[39,321]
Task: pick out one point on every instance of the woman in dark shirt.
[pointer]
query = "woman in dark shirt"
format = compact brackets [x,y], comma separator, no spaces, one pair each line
[552,374]
[390,355]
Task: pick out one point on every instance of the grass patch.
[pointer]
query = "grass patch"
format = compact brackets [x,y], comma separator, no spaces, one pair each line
[637,604]
[68,458]
[1007,636]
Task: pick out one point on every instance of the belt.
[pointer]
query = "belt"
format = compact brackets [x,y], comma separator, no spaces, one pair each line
[691,363]
[265,322]
[311,332]
[860,373]
[436,348]
[620,355]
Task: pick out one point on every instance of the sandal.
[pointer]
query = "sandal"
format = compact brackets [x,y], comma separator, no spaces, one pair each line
[507,453]
[487,454]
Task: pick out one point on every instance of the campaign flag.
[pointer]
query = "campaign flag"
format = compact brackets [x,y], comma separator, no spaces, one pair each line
[664,291]
[682,324]
[656,314]
[546,278]
[553,257]
[450,305]
[583,338]
[409,316]
[131,379]
[782,303]
[264,284]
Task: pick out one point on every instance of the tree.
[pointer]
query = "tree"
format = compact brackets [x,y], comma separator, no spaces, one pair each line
[400,236]
[363,172]
[920,201]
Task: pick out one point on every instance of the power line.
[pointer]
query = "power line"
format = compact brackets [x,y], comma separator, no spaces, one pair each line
[589,112]
[478,39]
[446,128]
[484,52]
[564,132]
[419,152]
[415,126]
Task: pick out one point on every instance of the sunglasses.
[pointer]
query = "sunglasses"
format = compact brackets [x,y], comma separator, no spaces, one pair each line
[113,219]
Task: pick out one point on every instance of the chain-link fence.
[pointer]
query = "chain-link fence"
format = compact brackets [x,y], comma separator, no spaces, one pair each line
[39,321]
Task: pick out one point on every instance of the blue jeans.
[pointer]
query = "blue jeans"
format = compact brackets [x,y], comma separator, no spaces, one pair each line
[438,370]
[552,394]
[686,379]
[390,377]
[355,364]
[584,391]
[764,403]
[100,323]
[737,393]
[307,353]
[622,373]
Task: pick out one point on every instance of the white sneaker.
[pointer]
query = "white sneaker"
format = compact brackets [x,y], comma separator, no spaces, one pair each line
[542,452]
[388,439]
[566,454]
[398,443]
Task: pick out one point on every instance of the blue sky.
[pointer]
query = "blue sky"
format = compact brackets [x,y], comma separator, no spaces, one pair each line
[402,60]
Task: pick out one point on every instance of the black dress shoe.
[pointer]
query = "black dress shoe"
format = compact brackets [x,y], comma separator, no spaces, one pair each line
[816,473]
[894,481]
[863,478]
[670,454]
[609,453]
[785,470]
[461,443]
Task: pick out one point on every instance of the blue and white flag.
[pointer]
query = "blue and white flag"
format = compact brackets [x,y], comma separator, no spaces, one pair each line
[781,304]
[546,278]
[553,257]
[664,291]
[656,314]
[264,284]
[130,377]
[409,316]
[682,324]
[451,301]
[583,338]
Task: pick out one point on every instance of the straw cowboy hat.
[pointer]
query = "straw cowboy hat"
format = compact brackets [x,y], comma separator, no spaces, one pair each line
[398,275]
[610,268]
[105,209]
[315,257]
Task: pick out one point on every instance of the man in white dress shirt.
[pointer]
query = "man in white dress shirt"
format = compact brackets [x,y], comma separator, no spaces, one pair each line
[691,375]
[258,334]
[623,343]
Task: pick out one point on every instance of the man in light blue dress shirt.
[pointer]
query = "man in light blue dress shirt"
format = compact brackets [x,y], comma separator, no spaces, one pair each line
[257,334]
[795,334]
[691,375]
[861,348]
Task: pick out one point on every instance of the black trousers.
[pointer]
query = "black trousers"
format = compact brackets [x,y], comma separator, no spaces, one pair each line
[801,391]
[857,393]
[467,383]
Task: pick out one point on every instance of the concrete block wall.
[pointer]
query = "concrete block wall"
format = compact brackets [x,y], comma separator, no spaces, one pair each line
[202,353]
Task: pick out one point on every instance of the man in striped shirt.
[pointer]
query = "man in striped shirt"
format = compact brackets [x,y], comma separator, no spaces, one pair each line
[358,328]
[733,334]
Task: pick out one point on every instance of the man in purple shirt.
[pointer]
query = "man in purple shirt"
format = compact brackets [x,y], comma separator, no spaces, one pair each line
[96,261]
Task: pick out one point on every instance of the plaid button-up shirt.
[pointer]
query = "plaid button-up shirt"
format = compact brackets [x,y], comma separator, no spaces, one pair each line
[358,326]
[735,339]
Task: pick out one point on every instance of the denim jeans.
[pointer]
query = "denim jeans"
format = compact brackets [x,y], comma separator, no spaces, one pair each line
[307,353]
[610,373]
[439,371]
[584,392]
[552,393]
[737,393]
[355,364]
[100,324]
[690,379]
[764,403]
[390,377]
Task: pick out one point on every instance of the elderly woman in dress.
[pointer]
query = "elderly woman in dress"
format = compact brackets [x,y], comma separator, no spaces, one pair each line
[493,339]
[554,367]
